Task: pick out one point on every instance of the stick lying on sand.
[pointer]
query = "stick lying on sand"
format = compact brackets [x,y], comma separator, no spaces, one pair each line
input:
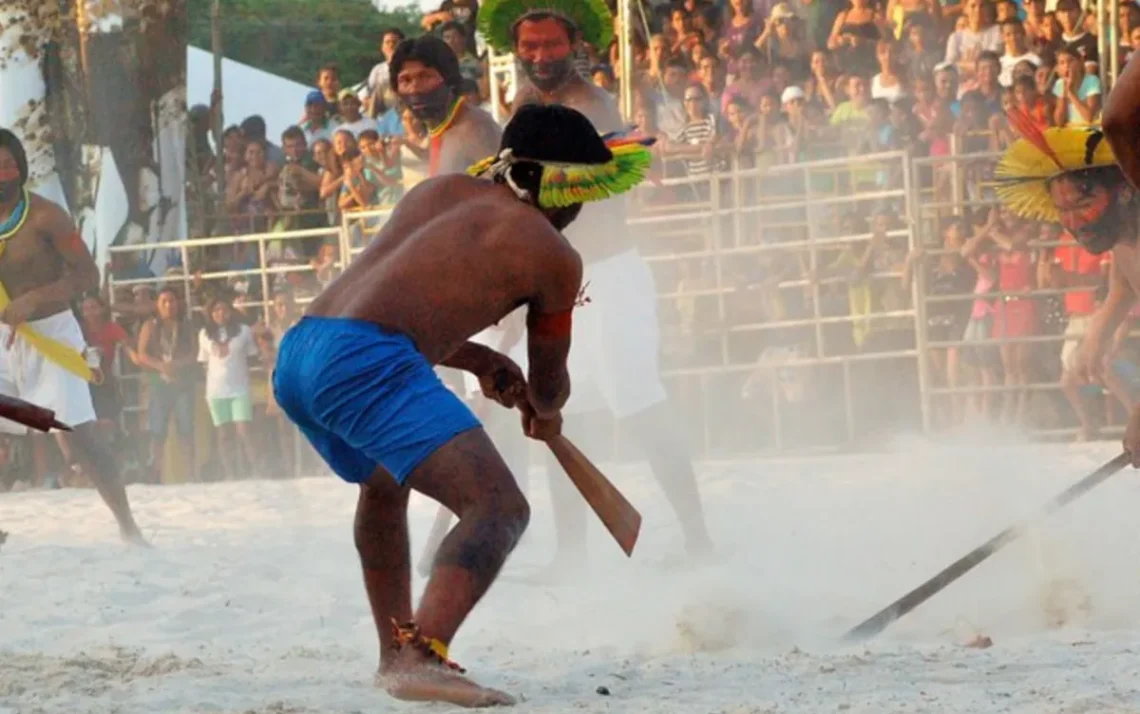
[882,619]
[30,415]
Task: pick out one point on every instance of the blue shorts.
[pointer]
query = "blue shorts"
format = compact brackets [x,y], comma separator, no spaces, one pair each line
[363,395]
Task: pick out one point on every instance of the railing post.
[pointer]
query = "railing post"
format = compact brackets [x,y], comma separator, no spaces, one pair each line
[918,294]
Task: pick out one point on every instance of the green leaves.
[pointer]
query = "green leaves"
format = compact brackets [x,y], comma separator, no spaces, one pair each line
[294,38]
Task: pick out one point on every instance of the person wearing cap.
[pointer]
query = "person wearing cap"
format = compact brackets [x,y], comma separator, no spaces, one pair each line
[317,123]
[352,120]
[425,73]
[356,373]
[781,43]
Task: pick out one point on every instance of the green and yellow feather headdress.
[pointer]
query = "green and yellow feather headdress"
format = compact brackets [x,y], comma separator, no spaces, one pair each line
[497,19]
[1030,163]
[565,184]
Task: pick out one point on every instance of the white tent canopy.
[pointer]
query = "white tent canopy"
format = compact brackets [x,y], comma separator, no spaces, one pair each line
[246,91]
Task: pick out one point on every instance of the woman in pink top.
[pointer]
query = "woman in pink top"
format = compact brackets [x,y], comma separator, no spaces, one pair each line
[983,357]
[1016,310]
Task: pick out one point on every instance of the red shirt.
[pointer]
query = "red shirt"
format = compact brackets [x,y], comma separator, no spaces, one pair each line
[1075,259]
[105,338]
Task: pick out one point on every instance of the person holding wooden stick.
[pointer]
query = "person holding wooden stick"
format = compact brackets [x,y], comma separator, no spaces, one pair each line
[356,374]
[1071,176]
[44,265]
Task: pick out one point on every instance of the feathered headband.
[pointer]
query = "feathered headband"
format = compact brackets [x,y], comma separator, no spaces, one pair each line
[1023,174]
[565,184]
[497,19]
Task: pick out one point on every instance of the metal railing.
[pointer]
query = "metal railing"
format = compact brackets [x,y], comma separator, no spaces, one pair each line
[774,286]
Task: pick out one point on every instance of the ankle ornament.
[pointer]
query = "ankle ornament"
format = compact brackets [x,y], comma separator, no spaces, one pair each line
[409,635]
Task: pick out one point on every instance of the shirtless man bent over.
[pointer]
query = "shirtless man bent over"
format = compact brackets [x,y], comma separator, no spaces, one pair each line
[1070,176]
[356,375]
[44,265]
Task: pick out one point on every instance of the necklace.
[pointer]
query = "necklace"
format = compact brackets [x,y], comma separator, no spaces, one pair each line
[436,136]
[16,221]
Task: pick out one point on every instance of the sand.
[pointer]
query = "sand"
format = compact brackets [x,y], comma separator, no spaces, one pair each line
[253,602]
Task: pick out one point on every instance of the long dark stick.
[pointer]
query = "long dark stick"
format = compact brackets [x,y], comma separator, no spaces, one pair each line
[883,618]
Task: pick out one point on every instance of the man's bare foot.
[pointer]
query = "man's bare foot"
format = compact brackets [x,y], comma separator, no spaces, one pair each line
[134,537]
[414,677]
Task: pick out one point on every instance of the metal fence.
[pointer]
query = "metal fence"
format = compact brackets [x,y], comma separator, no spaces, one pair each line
[773,339]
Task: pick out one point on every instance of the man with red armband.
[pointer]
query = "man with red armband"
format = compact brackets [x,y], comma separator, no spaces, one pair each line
[44,265]
[356,374]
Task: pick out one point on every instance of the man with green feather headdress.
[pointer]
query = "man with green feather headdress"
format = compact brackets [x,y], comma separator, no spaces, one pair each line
[356,373]
[617,337]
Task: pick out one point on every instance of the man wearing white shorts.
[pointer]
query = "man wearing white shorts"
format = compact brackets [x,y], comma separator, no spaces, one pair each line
[614,357]
[44,265]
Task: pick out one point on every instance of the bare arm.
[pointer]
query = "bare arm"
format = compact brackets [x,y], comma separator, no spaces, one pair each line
[80,274]
[144,358]
[548,333]
[1113,311]
[472,357]
[1121,116]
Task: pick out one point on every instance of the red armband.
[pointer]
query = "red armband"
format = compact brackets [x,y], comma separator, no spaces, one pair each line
[551,324]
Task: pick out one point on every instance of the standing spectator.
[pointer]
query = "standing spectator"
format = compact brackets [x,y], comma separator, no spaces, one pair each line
[887,84]
[352,120]
[361,184]
[253,129]
[455,36]
[252,195]
[379,97]
[1016,310]
[1075,39]
[946,86]
[298,185]
[166,354]
[918,56]
[105,336]
[984,86]
[822,86]
[782,43]
[748,84]
[671,114]
[1029,101]
[946,320]
[1016,50]
[696,140]
[742,26]
[979,35]
[331,177]
[902,14]
[711,75]
[1075,267]
[225,346]
[850,117]
[328,82]
[282,315]
[464,12]
[854,36]
[317,124]
[1077,92]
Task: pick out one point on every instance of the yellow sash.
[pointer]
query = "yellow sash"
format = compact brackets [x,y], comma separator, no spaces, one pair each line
[62,354]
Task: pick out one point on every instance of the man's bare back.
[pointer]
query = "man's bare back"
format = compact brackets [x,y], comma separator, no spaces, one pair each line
[457,255]
[45,251]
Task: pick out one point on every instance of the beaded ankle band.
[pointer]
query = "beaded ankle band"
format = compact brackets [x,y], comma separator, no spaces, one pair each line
[409,634]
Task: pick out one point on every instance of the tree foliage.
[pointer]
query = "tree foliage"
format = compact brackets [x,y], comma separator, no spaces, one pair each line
[294,38]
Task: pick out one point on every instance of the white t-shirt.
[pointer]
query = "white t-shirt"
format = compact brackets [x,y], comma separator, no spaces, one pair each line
[358,126]
[227,366]
[1005,79]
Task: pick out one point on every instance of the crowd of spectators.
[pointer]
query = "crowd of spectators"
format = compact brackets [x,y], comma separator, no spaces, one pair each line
[725,85]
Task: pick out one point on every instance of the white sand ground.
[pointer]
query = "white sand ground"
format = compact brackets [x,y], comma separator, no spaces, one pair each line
[252,600]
